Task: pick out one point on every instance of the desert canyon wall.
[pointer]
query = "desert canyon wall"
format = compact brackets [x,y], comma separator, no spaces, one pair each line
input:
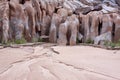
[60,21]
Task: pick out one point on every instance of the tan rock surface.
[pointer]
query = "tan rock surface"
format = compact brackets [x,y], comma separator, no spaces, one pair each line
[59,63]
[32,19]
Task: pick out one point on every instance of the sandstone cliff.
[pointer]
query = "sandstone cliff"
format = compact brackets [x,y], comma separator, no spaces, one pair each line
[60,21]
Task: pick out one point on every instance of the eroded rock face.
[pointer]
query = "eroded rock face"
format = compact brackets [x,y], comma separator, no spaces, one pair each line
[116,20]
[4,21]
[30,16]
[55,22]
[85,25]
[68,31]
[94,24]
[63,21]
[118,2]
[17,20]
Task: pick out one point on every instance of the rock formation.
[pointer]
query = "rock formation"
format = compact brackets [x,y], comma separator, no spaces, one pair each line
[63,21]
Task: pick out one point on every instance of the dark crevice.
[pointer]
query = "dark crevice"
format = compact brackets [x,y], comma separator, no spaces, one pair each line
[22,1]
[55,10]
[68,36]
[39,33]
[113,31]
[90,23]
[99,28]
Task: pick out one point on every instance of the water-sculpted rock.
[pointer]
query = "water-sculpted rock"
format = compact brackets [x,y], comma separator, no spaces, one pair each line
[68,31]
[4,21]
[30,16]
[116,27]
[17,20]
[85,26]
[31,19]
[94,20]
[55,22]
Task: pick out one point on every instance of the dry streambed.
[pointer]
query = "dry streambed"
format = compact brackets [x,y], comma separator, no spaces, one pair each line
[48,62]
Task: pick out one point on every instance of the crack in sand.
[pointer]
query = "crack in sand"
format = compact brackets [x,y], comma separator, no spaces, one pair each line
[51,73]
[98,73]
[30,58]
[20,61]
[53,50]
[6,69]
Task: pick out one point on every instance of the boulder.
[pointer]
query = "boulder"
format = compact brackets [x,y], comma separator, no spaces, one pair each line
[80,36]
[83,10]
[86,10]
[101,39]
[63,13]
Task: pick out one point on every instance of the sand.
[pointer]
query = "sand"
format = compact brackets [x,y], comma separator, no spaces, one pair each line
[59,63]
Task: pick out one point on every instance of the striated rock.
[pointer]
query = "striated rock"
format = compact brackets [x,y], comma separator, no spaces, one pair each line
[30,16]
[62,39]
[116,26]
[38,14]
[45,26]
[4,22]
[85,26]
[94,24]
[106,23]
[86,10]
[73,26]
[17,20]
[68,31]
[82,19]
[55,22]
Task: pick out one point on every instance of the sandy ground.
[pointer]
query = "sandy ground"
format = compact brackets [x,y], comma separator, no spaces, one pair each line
[59,63]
